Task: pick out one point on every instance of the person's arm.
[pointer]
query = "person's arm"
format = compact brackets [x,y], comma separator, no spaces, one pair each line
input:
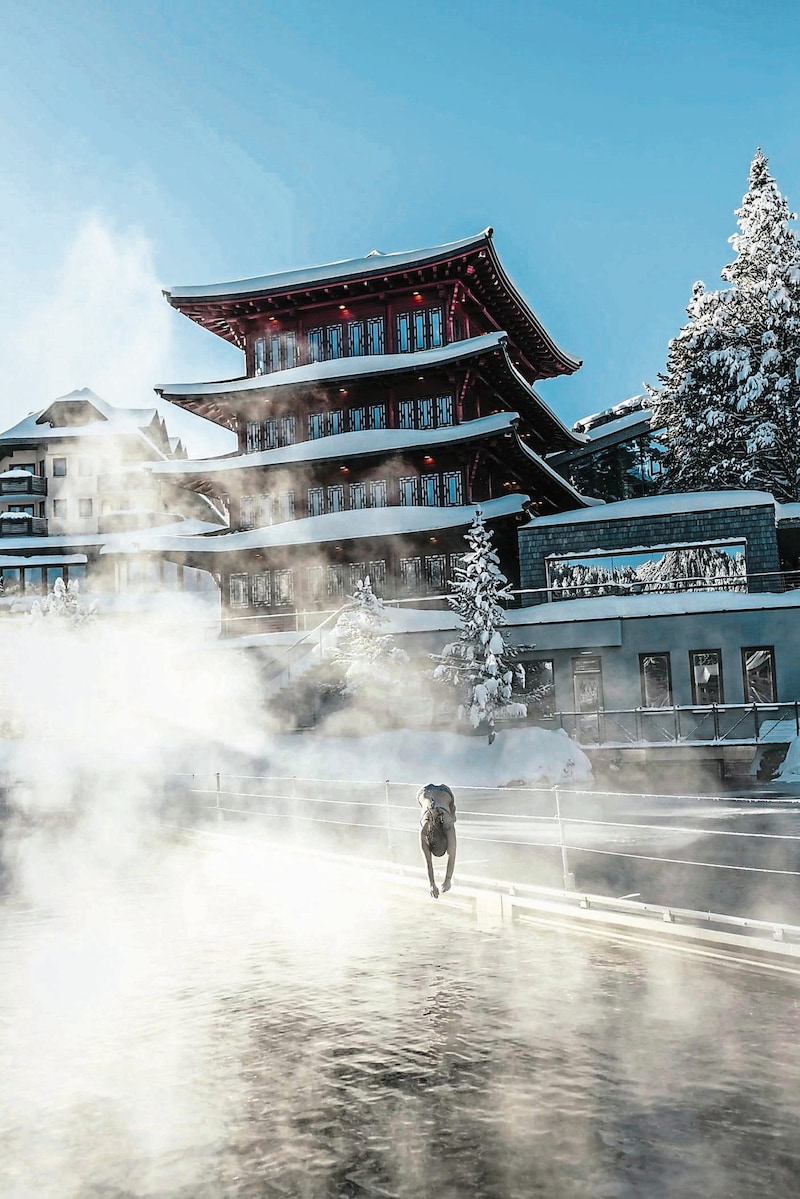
[426,853]
[451,859]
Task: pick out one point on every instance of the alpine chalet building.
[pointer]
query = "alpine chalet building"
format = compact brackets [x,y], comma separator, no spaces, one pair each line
[384,399]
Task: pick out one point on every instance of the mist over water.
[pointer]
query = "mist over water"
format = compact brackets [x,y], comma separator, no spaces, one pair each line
[229,1026]
[199,1018]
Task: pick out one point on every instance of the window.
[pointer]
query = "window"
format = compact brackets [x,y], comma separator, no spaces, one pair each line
[436,336]
[270,435]
[260,589]
[444,411]
[12,580]
[336,498]
[315,582]
[377,490]
[403,332]
[275,352]
[420,329]
[286,505]
[453,493]
[334,338]
[656,680]
[411,573]
[33,580]
[283,586]
[409,490]
[316,425]
[290,348]
[247,511]
[758,668]
[28,466]
[316,499]
[253,436]
[60,509]
[430,490]
[358,419]
[425,413]
[335,582]
[288,430]
[435,572]
[706,671]
[84,507]
[358,495]
[238,591]
[316,345]
[260,356]
[540,688]
[356,336]
[405,414]
[84,467]
[377,573]
[59,468]
[335,422]
[377,416]
[375,336]
[355,573]
[52,573]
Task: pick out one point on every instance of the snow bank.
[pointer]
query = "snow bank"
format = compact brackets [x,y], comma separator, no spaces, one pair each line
[530,755]
[789,770]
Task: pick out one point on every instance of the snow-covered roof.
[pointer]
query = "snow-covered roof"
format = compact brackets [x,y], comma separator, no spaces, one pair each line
[611,415]
[392,521]
[611,428]
[16,473]
[8,560]
[339,370]
[787,512]
[661,505]
[33,429]
[376,262]
[342,446]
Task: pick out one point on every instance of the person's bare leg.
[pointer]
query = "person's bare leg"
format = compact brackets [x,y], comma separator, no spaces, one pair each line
[426,853]
[451,859]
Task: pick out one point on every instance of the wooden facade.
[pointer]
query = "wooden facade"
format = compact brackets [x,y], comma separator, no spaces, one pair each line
[393,381]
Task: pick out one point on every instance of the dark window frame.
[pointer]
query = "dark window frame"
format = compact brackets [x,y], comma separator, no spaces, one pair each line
[750,649]
[695,701]
[642,680]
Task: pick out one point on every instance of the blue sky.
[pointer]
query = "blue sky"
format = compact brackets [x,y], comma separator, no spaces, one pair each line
[146,145]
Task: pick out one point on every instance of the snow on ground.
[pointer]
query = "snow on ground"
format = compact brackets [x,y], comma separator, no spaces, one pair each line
[529,755]
[789,771]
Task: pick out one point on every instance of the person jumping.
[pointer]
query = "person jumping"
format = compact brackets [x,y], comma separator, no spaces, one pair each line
[437,834]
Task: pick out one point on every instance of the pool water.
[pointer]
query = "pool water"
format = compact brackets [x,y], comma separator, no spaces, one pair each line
[230,1023]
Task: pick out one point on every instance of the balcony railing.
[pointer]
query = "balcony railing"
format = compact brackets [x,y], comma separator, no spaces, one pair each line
[23,484]
[20,525]
[729,724]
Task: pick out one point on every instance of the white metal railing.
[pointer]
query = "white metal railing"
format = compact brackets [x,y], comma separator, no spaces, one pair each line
[375,807]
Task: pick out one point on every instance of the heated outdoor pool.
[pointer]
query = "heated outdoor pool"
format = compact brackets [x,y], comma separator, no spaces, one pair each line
[224,1024]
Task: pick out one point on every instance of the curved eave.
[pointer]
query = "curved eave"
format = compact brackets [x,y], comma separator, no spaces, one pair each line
[315,375]
[556,484]
[367,524]
[349,447]
[548,426]
[222,307]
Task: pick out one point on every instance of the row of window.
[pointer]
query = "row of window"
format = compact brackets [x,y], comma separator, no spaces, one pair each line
[420,329]
[37,580]
[61,508]
[426,412]
[275,588]
[431,490]
[705,673]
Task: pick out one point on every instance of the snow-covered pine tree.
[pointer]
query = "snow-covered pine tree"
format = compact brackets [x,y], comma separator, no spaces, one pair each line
[63,606]
[730,395]
[370,655]
[477,665]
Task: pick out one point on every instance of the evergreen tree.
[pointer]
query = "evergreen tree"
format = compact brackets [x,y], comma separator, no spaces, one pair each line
[373,662]
[730,394]
[477,665]
[62,606]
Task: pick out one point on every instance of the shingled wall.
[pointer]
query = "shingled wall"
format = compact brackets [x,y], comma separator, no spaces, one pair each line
[754,525]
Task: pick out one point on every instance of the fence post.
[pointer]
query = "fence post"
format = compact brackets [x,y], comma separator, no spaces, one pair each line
[797,717]
[715,714]
[219,809]
[756,721]
[569,879]
[677,721]
[389,841]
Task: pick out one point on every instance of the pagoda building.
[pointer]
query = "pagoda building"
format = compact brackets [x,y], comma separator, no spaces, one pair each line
[385,398]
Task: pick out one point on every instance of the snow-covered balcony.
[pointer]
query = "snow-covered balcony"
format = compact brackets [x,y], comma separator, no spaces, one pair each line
[17,485]
[20,524]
